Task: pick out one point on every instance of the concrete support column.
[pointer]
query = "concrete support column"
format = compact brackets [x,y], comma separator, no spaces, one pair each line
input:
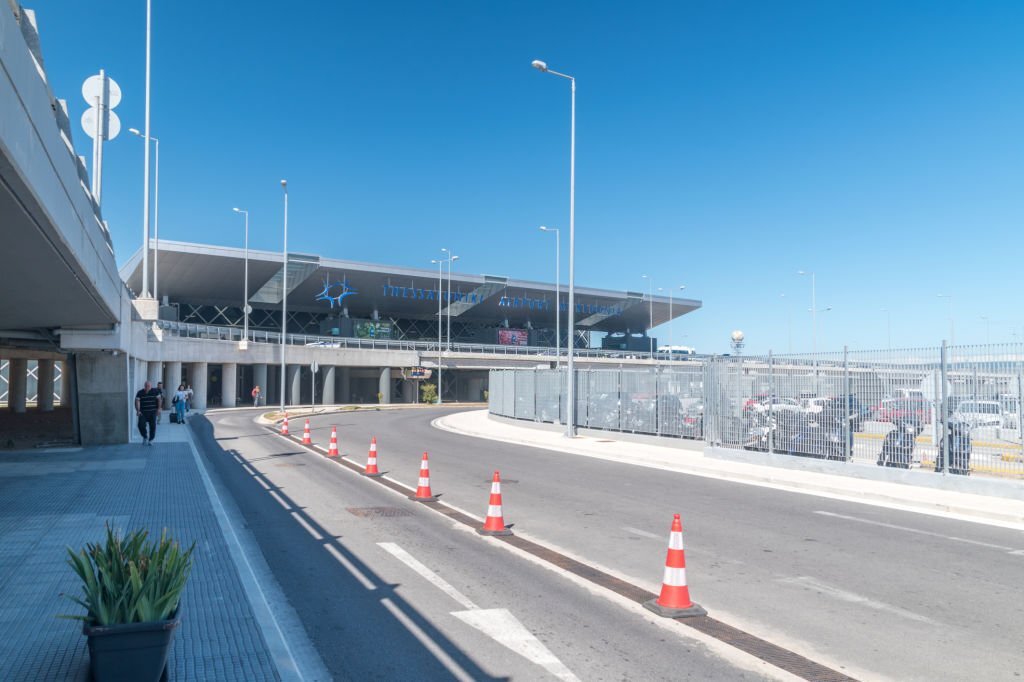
[44,387]
[328,397]
[345,379]
[17,385]
[155,372]
[139,369]
[65,383]
[259,378]
[384,386]
[408,391]
[172,379]
[104,399]
[273,379]
[294,381]
[228,384]
[199,371]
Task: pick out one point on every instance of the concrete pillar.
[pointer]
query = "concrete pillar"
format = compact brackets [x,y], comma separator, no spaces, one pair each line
[294,382]
[345,379]
[328,397]
[104,399]
[155,372]
[44,387]
[273,396]
[138,378]
[17,385]
[408,391]
[199,371]
[259,378]
[65,383]
[172,379]
[228,384]
[385,386]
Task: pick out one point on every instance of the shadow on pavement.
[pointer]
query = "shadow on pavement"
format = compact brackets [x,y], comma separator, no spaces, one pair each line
[349,622]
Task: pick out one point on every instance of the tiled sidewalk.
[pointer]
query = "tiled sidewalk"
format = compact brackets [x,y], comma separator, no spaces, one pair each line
[50,500]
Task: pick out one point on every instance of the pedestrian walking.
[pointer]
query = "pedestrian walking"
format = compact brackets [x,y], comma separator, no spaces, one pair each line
[148,402]
[256,396]
[180,398]
[163,401]
[189,394]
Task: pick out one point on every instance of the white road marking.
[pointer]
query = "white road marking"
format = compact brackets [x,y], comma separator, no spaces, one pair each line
[431,577]
[430,645]
[853,598]
[641,533]
[498,624]
[1010,550]
[343,560]
[501,626]
[309,529]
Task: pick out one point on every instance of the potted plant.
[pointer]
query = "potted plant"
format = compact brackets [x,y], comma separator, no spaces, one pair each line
[131,593]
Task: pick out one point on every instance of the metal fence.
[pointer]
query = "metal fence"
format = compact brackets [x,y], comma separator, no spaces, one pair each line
[950,409]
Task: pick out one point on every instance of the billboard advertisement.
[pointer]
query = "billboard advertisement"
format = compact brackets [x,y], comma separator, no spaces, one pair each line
[513,337]
[368,329]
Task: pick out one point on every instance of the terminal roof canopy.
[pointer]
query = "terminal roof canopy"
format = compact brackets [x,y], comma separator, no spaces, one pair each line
[213,275]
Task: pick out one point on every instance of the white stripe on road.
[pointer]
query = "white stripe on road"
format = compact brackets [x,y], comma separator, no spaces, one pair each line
[1010,550]
[501,626]
[430,645]
[343,560]
[498,624]
[431,577]
[641,533]
[853,598]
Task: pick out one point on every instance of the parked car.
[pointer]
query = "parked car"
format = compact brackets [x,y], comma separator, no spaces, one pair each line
[851,408]
[984,413]
[901,410]
[773,404]
[693,422]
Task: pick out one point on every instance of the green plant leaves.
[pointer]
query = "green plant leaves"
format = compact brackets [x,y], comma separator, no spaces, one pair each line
[130,580]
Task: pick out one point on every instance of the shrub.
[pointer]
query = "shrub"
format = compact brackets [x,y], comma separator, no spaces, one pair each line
[130,580]
[428,393]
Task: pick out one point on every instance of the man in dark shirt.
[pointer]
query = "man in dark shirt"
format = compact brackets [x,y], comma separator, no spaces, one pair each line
[148,402]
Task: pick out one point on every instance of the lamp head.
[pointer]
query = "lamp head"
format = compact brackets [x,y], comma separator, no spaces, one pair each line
[135,131]
[237,210]
[539,65]
[681,287]
[284,183]
[455,258]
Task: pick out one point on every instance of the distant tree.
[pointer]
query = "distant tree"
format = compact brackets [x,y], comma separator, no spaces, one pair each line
[428,393]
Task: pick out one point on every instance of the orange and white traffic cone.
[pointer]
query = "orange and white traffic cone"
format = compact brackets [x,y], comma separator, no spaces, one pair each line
[332,449]
[306,439]
[284,426]
[674,601]
[371,460]
[495,523]
[423,493]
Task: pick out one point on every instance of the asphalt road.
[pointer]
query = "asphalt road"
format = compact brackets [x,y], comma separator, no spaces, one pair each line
[876,593]
[372,615]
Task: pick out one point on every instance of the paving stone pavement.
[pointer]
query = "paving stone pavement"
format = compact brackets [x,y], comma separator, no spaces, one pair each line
[53,499]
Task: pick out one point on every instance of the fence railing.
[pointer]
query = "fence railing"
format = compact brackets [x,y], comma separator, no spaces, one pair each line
[223,333]
[948,409]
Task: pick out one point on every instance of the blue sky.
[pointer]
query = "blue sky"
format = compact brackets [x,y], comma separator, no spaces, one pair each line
[720,145]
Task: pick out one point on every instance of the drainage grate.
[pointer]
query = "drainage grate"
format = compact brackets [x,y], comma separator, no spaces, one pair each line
[377,512]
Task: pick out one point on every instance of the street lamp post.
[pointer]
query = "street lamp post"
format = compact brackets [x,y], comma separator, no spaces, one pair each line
[671,320]
[558,292]
[440,327]
[450,259]
[145,172]
[570,431]
[284,294]
[245,298]
[952,328]
[650,299]
[156,212]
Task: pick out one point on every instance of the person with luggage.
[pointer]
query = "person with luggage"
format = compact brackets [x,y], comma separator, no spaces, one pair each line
[179,400]
[148,403]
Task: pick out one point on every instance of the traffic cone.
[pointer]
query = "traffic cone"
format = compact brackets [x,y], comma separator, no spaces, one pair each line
[423,493]
[495,523]
[371,460]
[332,450]
[284,426]
[306,440]
[674,601]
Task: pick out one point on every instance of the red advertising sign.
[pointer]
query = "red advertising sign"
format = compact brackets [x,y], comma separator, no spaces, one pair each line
[513,337]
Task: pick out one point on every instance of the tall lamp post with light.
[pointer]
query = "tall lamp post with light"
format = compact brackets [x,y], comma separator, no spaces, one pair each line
[284,294]
[156,210]
[570,412]
[558,294]
[650,299]
[671,320]
[245,298]
[450,259]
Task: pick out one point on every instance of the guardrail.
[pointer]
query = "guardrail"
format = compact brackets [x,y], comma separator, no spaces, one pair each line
[220,333]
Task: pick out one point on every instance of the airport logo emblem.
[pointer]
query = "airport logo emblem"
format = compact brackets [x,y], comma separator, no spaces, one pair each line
[336,292]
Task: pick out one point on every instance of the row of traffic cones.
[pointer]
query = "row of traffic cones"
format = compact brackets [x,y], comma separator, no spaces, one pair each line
[674,600]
